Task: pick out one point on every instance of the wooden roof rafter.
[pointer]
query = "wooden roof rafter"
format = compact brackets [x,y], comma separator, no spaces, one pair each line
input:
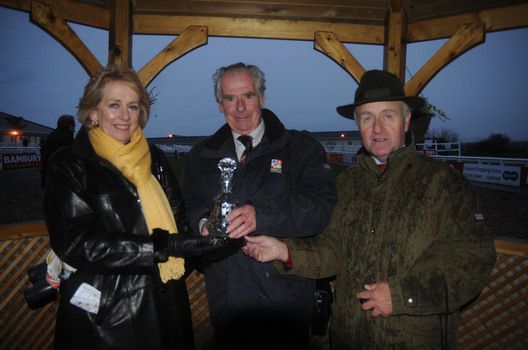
[329,23]
[150,18]
[53,22]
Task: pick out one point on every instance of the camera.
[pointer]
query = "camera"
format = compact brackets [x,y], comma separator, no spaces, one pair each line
[322,309]
[42,293]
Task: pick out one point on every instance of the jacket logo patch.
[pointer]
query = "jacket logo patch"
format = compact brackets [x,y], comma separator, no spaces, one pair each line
[276,166]
[478,217]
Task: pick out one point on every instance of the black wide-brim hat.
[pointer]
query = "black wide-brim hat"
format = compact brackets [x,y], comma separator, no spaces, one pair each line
[376,86]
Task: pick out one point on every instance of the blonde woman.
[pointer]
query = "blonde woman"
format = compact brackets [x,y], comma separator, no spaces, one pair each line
[113,207]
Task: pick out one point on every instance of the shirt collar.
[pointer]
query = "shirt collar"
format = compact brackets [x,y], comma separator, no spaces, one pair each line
[256,134]
[379,162]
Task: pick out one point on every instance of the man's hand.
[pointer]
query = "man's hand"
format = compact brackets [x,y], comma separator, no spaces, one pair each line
[376,296]
[242,221]
[265,248]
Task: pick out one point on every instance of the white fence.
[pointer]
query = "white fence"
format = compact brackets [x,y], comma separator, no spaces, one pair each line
[493,170]
[502,171]
[440,148]
[174,150]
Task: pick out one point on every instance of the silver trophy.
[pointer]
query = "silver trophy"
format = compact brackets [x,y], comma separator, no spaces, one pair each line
[224,202]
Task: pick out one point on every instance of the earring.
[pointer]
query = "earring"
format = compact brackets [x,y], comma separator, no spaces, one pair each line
[94,122]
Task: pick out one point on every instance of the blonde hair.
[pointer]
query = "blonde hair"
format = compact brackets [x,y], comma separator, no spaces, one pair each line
[93,93]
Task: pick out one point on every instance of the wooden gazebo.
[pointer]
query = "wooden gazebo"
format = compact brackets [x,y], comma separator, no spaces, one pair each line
[496,320]
[328,23]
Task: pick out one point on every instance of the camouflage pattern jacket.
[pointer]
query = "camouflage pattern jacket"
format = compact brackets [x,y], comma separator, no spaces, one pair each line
[417,226]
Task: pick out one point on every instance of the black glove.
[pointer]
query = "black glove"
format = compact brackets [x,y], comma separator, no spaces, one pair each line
[187,246]
[229,247]
[183,245]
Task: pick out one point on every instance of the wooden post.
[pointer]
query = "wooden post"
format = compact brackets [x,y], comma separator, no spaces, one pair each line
[120,34]
[395,48]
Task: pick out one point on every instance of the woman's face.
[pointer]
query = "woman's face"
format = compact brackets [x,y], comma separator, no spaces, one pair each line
[118,112]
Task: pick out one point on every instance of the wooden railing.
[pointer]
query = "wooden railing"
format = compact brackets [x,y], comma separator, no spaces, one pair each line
[497,319]
[25,245]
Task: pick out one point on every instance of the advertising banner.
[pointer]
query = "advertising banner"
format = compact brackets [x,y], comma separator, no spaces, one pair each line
[496,174]
[20,160]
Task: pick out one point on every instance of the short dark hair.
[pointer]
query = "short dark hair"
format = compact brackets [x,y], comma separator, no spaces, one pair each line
[66,122]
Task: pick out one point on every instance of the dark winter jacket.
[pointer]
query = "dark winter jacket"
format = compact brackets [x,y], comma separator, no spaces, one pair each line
[417,226]
[96,225]
[287,180]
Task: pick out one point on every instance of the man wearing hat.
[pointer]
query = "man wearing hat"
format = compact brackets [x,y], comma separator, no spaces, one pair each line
[407,239]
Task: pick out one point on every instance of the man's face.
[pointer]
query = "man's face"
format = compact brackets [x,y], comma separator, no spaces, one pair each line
[241,103]
[382,126]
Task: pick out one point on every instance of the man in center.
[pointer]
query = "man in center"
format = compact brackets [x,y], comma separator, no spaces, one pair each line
[284,188]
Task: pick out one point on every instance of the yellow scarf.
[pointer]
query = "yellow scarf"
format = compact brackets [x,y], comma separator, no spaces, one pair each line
[133,160]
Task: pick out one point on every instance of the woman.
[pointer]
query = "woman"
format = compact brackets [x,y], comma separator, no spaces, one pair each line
[104,198]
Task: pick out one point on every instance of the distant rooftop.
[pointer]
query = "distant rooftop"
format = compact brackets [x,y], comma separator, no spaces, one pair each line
[10,122]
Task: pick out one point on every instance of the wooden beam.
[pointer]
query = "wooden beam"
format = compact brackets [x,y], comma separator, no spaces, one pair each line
[395,49]
[464,39]
[190,39]
[50,20]
[97,15]
[23,230]
[356,11]
[503,18]
[330,45]
[512,248]
[120,34]
[39,228]
[72,11]
[258,28]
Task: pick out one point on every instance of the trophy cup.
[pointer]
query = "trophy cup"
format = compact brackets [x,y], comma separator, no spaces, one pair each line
[224,202]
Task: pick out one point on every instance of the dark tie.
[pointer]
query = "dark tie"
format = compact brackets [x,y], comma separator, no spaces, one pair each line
[247,141]
[382,167]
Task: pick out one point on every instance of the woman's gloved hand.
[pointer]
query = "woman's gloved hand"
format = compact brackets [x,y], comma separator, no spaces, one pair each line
[183,245]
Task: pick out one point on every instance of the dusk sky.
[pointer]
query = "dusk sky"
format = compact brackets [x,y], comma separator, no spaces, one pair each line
[484,91]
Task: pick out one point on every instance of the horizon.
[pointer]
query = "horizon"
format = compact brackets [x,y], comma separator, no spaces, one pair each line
[171,135]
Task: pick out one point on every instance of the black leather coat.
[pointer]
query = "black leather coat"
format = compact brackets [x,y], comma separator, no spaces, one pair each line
[96,225]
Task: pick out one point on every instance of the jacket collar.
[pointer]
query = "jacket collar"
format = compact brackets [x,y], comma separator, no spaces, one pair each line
[82,146]
[397,159]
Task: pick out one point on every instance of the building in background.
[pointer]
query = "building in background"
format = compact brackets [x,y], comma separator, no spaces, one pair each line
[20,132]
[20,141]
